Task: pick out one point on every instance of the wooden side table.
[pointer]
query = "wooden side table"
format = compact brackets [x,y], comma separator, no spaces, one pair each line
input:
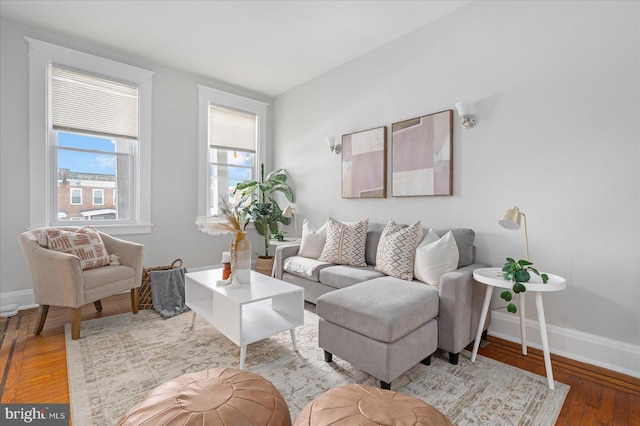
[489,276]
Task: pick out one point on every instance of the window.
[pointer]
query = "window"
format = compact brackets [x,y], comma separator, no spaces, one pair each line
[232,139]
[232,151]
[95,136]
[76,196]
[98,197]
[90,127]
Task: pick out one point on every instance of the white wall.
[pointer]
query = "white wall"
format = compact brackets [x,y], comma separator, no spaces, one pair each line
[557,88]
[174,160]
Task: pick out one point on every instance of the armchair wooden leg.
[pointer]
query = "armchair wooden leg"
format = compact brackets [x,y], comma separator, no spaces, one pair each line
[98,305]
[43,310]
[75,323]
[134,300]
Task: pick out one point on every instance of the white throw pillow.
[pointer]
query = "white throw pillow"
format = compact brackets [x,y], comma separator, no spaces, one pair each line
[345,243]
[434,257]
[312,240]
[397,248]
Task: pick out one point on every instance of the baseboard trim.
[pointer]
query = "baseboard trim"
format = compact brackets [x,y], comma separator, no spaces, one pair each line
[595,350]
[23,298]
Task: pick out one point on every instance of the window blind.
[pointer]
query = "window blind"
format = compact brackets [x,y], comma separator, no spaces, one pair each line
[88,103]
[231,129]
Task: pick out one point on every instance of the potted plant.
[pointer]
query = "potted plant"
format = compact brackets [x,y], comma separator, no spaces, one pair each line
[278,236]
[518,273]
[263,209]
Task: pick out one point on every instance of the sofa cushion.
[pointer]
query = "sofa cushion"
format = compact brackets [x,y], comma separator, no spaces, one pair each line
[384,309]
[305,267]
[345,243]
[313,240]
[341,276]
[435,256]
[465,238]
[397,250]
[374,232]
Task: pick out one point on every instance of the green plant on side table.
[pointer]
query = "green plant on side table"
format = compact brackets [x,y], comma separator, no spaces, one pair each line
[518,273]
[262,208]
[278,236]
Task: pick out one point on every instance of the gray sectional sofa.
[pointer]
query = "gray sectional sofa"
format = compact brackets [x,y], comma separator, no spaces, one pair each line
[459,296]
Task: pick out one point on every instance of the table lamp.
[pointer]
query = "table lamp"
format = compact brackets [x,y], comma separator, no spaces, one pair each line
[511,220]
[290,211]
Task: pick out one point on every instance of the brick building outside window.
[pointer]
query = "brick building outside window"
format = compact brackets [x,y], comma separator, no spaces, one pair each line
[86,196]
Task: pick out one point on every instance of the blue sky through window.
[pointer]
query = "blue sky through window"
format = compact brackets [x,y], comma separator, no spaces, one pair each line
[86,162]
[104,162]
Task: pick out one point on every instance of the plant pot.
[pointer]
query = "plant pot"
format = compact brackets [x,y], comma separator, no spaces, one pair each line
[264,265]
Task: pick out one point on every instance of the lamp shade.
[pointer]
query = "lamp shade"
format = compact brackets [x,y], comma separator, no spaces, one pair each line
[511,218]
[331,141]
[463,107]
[288,211]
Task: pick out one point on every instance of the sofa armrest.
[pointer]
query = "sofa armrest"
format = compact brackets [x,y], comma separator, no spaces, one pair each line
[282,253]
[461,299]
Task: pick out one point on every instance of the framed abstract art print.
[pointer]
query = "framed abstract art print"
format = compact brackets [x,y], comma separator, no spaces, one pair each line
[364,164]
[422,156]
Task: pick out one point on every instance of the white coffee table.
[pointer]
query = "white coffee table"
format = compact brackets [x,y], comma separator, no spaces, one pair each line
[489,276]
[253,312]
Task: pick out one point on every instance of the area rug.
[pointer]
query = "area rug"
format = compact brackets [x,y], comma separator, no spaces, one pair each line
[120,358]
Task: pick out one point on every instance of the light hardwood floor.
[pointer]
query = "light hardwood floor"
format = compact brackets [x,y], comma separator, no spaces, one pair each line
[34,369]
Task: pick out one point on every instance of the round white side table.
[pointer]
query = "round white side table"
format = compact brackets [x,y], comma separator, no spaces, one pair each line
[489,276]
[285,242]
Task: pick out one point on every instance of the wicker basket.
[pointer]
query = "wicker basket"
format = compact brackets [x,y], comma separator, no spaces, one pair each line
[144,294]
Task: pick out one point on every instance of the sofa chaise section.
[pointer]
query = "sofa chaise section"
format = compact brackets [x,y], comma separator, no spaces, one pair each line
[460,296]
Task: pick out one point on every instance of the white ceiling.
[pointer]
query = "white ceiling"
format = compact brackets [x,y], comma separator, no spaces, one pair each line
[265,46]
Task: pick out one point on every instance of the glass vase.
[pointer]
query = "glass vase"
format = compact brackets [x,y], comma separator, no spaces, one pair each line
[241,261]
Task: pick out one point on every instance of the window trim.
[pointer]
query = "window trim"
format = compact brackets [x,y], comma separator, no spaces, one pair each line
[41,55]
[207,96]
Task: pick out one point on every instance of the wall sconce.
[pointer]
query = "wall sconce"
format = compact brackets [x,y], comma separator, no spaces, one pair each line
[464,111]
[290,211]
[331,141]
[511,220]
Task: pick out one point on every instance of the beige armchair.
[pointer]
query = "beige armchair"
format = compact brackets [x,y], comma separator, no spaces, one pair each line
[59,280]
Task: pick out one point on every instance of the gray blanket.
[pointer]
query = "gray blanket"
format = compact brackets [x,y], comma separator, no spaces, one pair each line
[167,292]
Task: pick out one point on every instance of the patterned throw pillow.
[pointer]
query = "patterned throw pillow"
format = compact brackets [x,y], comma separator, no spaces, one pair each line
[313,240]
[85,243]
[345,243]
[397,249]
[435,256]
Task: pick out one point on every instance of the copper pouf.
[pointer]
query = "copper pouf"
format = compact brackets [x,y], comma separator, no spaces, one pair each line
[367,406]
[218,396]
